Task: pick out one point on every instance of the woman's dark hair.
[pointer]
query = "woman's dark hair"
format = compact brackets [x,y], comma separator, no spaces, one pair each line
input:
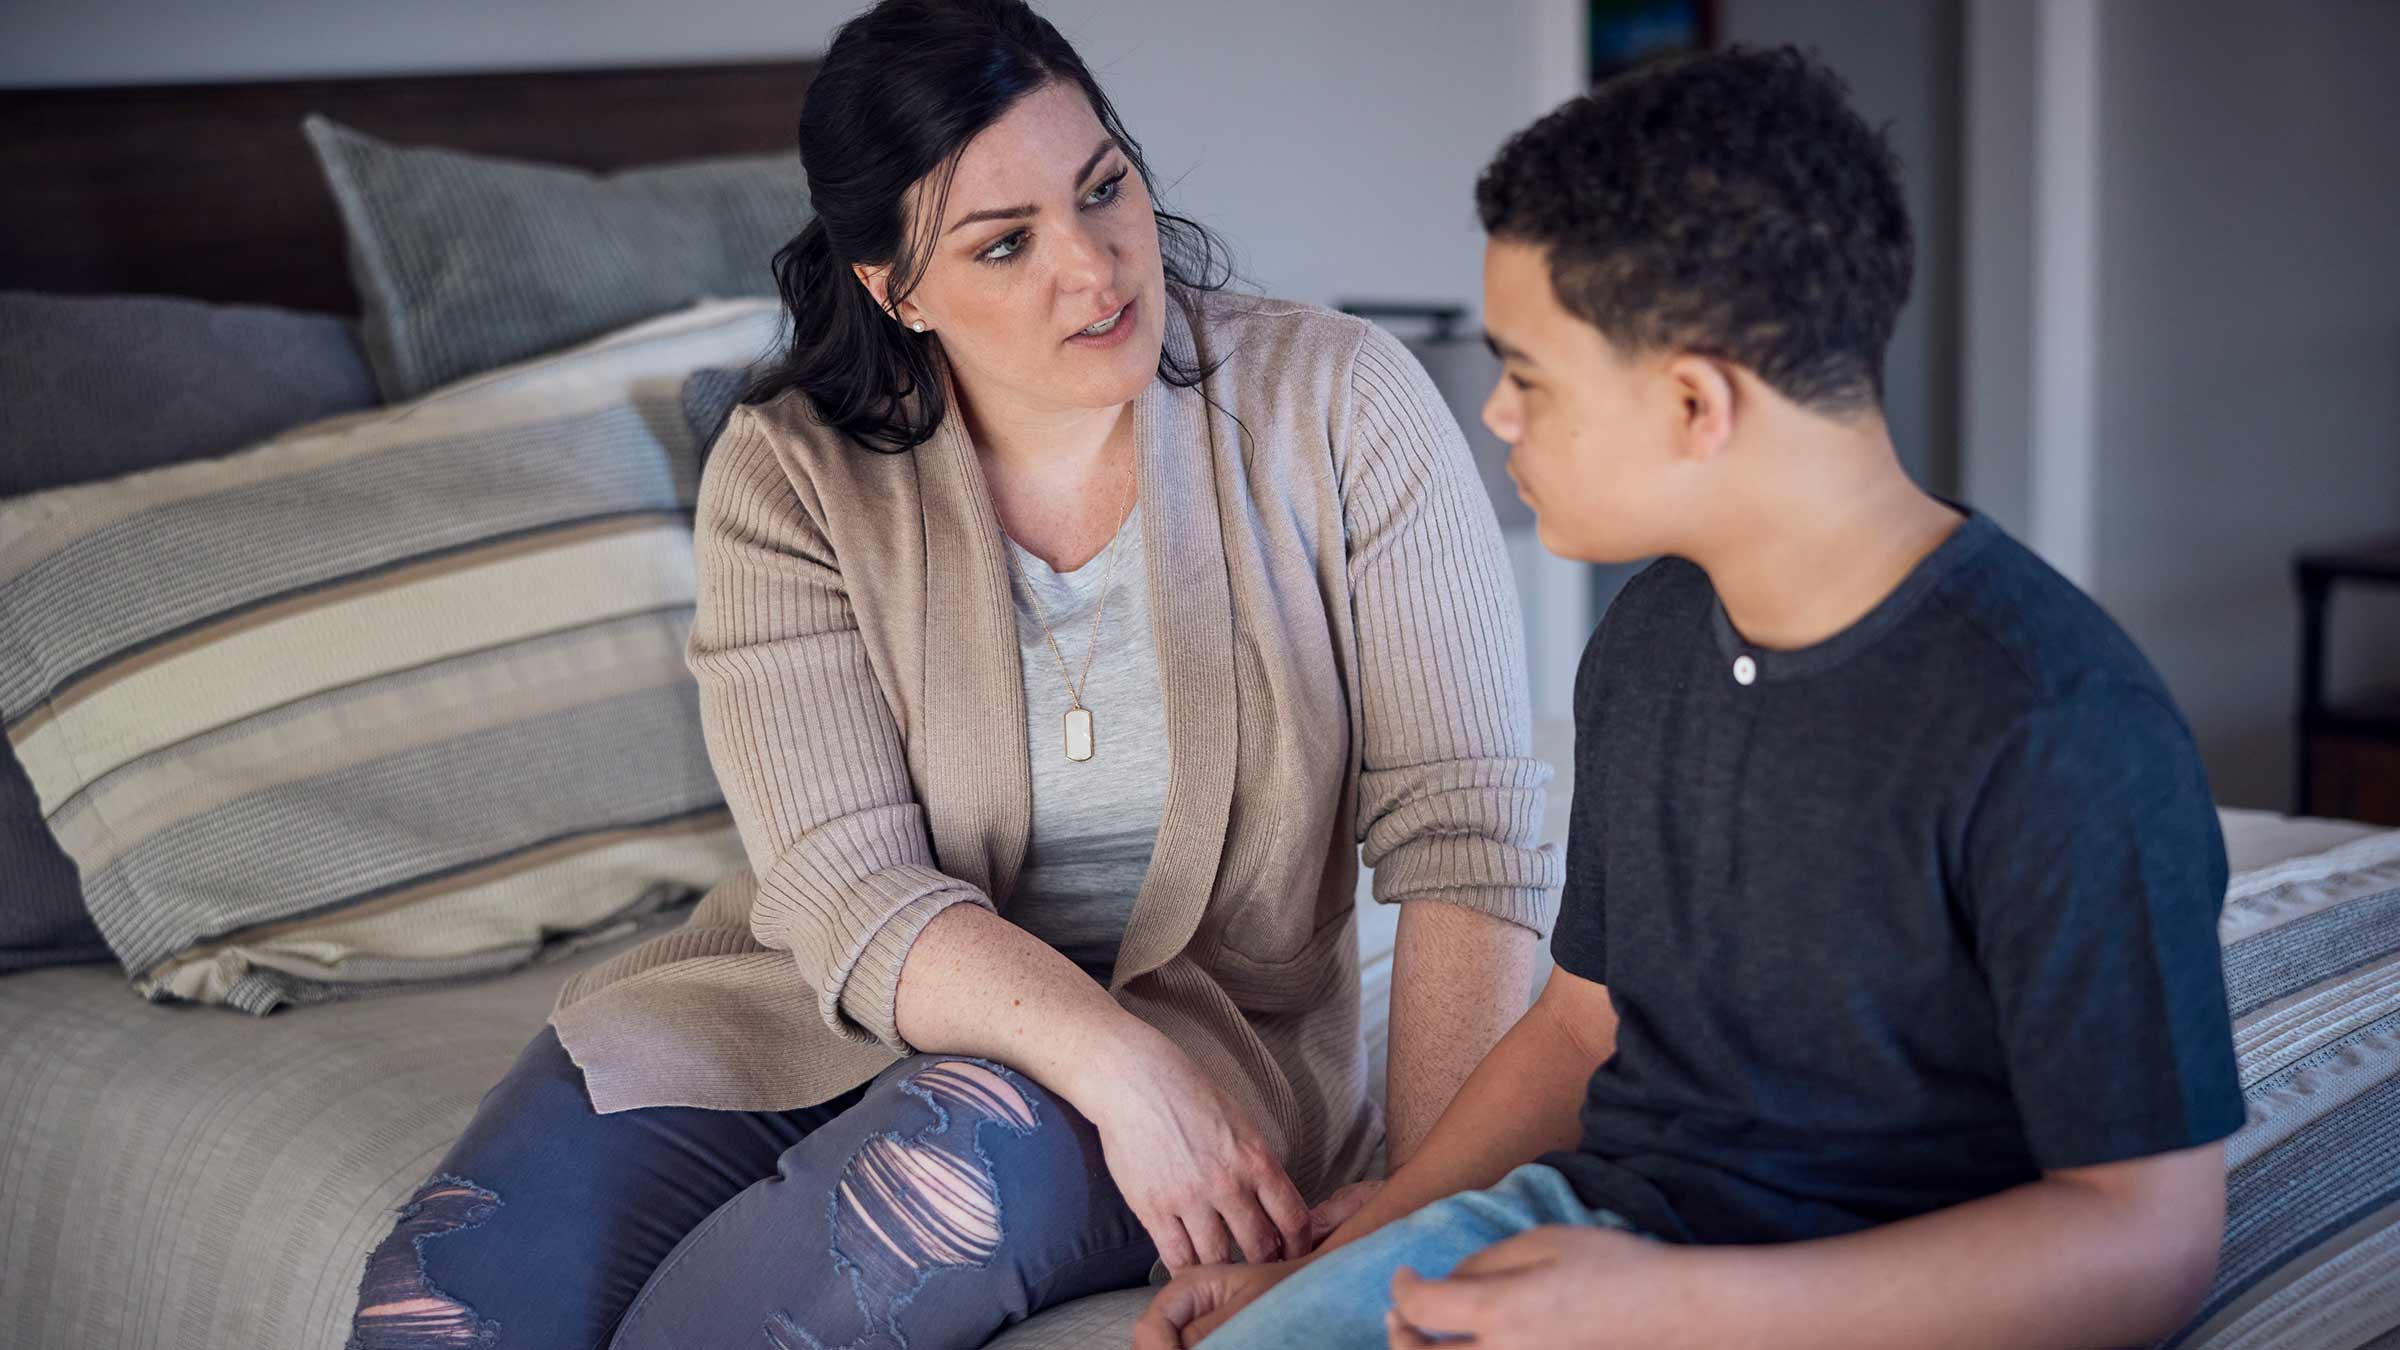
[1732,204]
[902,90]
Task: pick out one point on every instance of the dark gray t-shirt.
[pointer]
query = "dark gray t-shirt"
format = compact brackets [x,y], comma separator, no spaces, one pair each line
[1892,922]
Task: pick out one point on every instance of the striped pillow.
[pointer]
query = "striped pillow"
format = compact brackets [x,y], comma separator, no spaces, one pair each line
[2312,1222]
[394,697]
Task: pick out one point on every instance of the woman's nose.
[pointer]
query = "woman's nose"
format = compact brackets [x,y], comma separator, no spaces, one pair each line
[1085,263]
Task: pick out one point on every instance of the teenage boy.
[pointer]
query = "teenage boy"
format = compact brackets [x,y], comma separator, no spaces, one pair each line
[1888,1007]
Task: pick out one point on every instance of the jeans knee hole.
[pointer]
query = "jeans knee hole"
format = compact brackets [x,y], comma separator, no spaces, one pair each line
[399,1306]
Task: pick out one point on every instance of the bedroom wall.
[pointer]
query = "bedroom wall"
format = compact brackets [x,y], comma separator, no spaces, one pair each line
[1902,60]
[1335,142]
[2182,330]
[2247,390]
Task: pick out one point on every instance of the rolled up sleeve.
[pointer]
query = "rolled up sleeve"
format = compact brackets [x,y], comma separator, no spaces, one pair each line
[1450,795]
[804,745]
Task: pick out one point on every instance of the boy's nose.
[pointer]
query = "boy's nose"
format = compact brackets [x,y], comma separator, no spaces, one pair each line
[1501,419]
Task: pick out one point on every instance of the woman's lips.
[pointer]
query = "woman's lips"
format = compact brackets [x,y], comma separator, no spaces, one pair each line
[1114,337]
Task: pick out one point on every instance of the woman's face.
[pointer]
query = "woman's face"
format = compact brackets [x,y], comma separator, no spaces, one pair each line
[1047,233]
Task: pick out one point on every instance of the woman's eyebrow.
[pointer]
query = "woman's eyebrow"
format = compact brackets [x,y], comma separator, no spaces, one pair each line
[1020,212]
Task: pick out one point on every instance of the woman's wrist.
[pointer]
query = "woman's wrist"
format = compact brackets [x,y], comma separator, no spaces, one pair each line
[1120,1063]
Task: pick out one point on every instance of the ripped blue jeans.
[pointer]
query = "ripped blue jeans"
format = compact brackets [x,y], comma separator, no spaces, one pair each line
[929,1208]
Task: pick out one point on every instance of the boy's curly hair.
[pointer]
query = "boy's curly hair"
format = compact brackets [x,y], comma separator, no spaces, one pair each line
[1730,204]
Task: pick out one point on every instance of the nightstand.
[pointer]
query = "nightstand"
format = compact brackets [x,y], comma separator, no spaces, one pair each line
[2347,754]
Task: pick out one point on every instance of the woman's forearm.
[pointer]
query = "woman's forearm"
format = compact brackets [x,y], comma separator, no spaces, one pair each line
[1460,978]
[1198,1174]
[976,984]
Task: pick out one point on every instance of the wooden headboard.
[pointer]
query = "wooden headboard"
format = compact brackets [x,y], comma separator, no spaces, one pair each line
[209,191]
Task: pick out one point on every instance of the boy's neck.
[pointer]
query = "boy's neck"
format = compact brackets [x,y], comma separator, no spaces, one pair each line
[1829,526]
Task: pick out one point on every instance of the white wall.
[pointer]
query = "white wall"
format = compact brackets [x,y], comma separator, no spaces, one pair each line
[1901,58]
[1996,229]
[2248,382]
[2198,197]
[1335,142]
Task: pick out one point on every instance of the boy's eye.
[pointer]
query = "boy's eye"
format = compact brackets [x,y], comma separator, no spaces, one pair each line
[1005,248]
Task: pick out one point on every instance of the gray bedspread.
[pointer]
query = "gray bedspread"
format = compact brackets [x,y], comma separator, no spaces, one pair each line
[187,1179]
[195,1179]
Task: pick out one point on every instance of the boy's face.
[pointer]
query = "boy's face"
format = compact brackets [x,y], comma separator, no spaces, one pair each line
[1592,433]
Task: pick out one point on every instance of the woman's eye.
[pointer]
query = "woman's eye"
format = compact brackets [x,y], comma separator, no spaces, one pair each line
[1519,382]
[1106,192]
[1006,248]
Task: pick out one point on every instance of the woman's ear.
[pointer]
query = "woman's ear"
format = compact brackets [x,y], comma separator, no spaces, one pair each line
[878,281]
[1705,392]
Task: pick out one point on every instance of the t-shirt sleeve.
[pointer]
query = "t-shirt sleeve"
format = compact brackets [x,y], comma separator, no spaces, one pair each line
[2095,873]
[1579,940]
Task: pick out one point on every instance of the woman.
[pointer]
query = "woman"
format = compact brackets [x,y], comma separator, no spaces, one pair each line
[1064,625]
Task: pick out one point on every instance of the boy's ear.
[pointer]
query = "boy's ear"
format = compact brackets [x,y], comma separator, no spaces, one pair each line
[1704,392]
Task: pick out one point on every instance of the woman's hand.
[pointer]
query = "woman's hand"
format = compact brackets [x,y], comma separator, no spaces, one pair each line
[1194,1169]
[1335,1210]
[1200,1298]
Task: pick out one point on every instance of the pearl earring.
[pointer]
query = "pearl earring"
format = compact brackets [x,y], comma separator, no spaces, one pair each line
[917,327]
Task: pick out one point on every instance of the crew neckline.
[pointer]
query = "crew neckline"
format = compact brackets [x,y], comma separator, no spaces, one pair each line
[1751,664]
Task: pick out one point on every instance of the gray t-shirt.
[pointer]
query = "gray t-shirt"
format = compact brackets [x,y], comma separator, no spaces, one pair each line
[1094,821]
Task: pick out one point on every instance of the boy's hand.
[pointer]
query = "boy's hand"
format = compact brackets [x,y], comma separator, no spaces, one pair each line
[1200,1298]
[1551,1286]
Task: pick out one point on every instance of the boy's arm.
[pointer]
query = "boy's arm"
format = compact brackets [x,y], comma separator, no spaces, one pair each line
[1521,1102]
[2116,1254]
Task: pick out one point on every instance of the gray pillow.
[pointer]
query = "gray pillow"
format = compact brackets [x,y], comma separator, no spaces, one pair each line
[42,918]
[92,387]
[465,262]
[709,397]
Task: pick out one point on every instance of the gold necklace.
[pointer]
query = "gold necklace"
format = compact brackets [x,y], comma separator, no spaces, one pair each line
[1079,734]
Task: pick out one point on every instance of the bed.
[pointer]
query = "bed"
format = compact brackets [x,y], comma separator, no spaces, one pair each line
[180,1176]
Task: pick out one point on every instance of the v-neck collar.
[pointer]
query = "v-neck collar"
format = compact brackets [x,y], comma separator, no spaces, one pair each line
[1063,594]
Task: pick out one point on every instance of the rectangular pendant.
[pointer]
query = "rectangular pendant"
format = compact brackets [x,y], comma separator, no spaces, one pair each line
[1079,734]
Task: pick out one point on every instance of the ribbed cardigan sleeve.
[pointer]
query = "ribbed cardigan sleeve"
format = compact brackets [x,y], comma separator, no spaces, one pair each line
[1450,794]
[804,745]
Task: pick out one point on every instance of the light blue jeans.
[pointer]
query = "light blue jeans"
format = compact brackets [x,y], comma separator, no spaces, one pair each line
[1338,1302]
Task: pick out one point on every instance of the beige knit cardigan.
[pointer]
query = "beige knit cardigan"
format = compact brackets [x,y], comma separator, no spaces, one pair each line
[1341,661]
